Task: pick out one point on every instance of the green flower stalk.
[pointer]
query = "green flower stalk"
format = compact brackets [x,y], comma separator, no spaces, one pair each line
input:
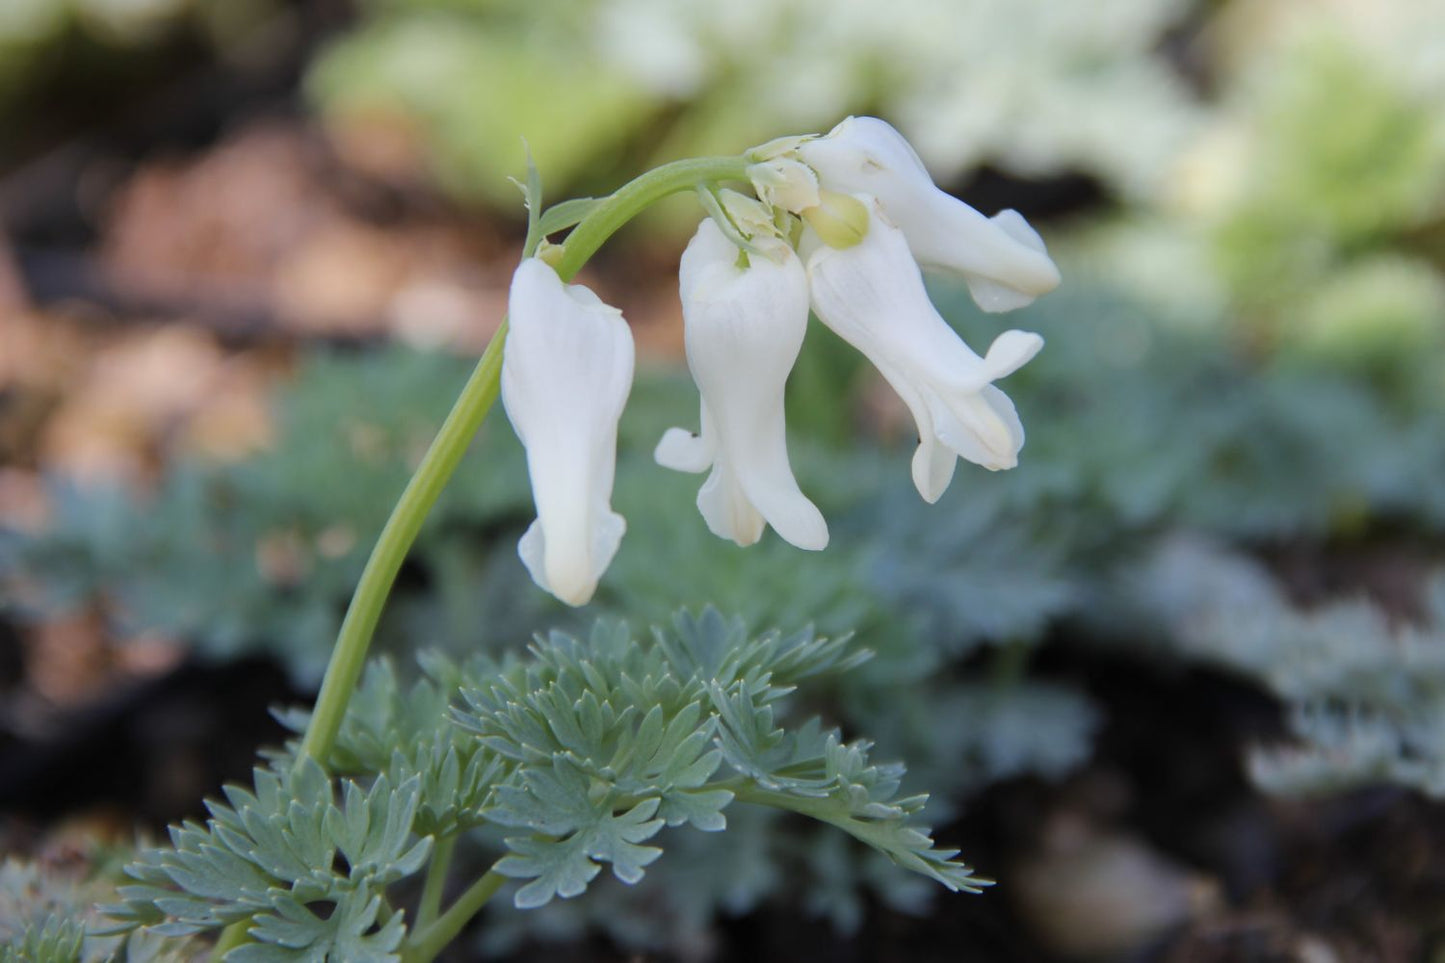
[601,220]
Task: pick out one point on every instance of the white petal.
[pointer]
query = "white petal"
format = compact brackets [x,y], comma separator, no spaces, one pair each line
[933,465]
[726,509]
[872,295]
[575,587]
[982,427]
[993,297]
[1002,259]
[1010,351]
[744,329]
[566,373]
[681,450]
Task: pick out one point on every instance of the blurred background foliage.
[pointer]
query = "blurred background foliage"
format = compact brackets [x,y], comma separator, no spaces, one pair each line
[234,311]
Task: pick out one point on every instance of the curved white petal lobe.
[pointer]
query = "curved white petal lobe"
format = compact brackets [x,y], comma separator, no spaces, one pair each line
[872,295]
[744,327]
[1002,259]
[566,374]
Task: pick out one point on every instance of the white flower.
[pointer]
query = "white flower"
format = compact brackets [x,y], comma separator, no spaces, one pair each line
[872,295]
[566,374]
[1001,258]
[744,327]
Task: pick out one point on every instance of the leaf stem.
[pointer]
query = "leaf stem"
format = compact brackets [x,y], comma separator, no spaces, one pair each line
[231,937]
[436,878]
[427,942]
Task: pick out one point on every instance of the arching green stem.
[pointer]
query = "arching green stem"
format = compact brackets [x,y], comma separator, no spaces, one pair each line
[425,944]
[636,196]
[445,453]
[436,468]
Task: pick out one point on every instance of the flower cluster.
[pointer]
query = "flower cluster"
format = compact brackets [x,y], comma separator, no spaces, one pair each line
[840,224]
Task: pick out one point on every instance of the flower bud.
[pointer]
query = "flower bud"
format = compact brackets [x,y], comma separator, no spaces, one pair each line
[872,296]
[744,327]
[786,183]
[566,373]
[839,220]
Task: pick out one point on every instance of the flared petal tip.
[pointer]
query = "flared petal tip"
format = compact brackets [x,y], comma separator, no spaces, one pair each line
[933,467]
[1031,275]
[681,450]
[572,571]
[575,595]
[1010,351]
[799,523]
[995,298]
[1003,461]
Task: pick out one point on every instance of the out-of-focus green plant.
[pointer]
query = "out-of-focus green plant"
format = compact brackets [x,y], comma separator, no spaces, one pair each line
[1325,239]
[261,556]
[1306,211]
[1365,688]
[80,42]
[1309,208]
[1034,87]
[48,916]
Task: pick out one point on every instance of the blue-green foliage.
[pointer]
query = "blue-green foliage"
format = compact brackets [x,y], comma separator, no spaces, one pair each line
[1366,691]
[48,915]
[588,749]
[1325,245]
[598,80]
[35,920]
[273,853]
[56,941]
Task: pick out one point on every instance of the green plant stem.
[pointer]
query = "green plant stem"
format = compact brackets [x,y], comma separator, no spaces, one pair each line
[349,656]
[436,877]
[441,460]
[426,943]
[819,809]
[231,937]
[633,197]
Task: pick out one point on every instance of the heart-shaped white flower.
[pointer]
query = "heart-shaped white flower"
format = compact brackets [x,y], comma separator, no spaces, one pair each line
[566,374]
[872,295]
[744,319]
[1002,259]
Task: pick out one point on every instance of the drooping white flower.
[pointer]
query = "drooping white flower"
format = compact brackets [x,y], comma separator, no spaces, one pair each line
[566,374]
[872,295]
[1002,258]
[743,327]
